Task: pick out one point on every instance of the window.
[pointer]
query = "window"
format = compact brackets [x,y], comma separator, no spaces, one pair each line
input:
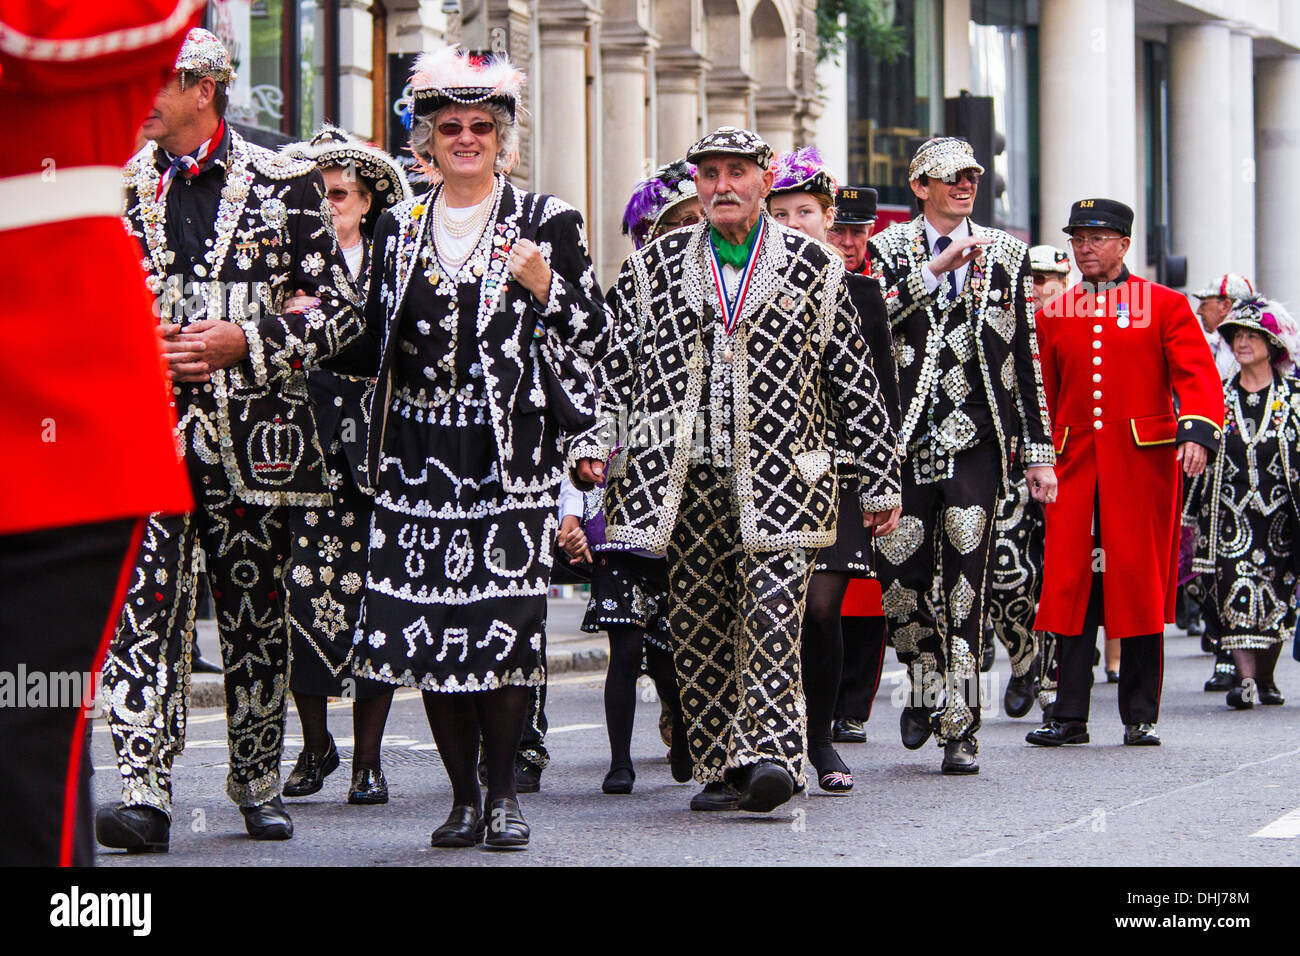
[891,105]
[286,56]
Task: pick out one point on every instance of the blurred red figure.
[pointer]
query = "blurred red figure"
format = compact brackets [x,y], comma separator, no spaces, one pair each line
[86,426]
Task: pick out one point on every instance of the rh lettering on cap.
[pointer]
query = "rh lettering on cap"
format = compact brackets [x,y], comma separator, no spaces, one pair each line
[1085,204]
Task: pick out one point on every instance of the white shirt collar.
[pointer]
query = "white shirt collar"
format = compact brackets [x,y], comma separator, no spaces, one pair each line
[932,234]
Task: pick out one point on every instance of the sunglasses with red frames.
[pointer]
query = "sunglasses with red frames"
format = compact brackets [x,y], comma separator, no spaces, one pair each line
[478,128]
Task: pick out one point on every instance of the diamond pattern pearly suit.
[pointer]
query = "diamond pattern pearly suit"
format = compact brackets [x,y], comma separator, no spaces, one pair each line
[961,360]
[724,460]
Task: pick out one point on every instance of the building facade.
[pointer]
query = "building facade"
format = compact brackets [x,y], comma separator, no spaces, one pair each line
[1188,111]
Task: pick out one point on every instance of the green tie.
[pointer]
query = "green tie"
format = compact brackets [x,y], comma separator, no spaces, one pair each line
[733,253]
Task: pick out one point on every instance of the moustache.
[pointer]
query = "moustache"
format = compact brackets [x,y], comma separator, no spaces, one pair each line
[727,197]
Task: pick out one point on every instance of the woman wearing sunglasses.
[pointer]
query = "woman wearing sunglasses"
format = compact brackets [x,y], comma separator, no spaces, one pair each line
[803,198]
[482,303]
[328,564]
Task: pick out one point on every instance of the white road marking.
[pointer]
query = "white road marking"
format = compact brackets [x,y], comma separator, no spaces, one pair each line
[1087,820]
[1285,827]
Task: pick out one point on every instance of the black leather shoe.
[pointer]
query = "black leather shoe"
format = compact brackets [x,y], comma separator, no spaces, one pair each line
[1270,695]
[1140,735]
[716,796]
[310,771]
[767,786]
[914,726]
[1195,626]
[135,829]
[1244,696]
[1055,733]
[987,654]
[833,774]
[201,665]
[1224,677]
[506,828]
[959,756]
[369,787]
[1021,693]
[1112,677]
[528,777]
[464,827]
[619,780]
[848,730]
[268,821]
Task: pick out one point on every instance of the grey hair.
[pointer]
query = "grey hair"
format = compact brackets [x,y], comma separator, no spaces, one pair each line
[422,130]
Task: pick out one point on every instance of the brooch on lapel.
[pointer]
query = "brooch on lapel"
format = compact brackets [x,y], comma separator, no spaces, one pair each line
[995,295]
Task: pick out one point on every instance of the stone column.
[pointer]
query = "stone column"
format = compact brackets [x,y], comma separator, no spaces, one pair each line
[775,112]
[956,46]
[679,74]
[729,93]
[624,153]
[1241,187]
[1200,145]
[1085,148]
[1277,158]
[356,61]
[560,117]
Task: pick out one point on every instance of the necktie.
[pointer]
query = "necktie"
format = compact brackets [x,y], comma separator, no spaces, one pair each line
[940,244]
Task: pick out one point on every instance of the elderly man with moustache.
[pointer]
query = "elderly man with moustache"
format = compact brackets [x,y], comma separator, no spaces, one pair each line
[734,354]
[1115,349]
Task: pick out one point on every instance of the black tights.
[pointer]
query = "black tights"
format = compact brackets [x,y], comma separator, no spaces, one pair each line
[1257,665]
[625,643]
[368,720]
[822,655]
[458,719]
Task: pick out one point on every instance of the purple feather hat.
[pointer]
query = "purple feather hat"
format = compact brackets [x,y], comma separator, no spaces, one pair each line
[654,196]
[803,171]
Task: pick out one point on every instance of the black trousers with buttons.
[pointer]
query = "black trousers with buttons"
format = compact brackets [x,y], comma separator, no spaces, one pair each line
[936,586]
[146,686]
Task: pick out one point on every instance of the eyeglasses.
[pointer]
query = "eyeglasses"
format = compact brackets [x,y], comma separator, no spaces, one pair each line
[339,194]
[478,128]
[969,175]
[690,219]
[1091,242]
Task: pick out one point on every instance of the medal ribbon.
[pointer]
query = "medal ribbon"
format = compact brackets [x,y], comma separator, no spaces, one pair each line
[731,308]
[189,166]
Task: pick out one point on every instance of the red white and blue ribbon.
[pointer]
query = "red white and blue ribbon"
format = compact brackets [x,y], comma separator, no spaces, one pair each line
[731,307]
[189,165]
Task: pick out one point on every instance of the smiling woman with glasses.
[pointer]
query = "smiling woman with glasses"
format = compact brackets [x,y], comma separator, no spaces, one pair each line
[482,301]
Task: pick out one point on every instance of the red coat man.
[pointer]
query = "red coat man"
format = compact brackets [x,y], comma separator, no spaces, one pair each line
[85,426]
[1115,350]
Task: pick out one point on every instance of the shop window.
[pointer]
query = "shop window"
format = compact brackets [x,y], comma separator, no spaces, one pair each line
[286,55]
[891,105]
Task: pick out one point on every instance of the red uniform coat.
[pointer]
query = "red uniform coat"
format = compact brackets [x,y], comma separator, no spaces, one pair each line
[1111,365]
[85,426]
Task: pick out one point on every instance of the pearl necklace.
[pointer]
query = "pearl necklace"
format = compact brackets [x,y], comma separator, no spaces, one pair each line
[471,225]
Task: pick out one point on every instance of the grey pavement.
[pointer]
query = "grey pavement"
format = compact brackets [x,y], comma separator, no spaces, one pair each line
[1221,777]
